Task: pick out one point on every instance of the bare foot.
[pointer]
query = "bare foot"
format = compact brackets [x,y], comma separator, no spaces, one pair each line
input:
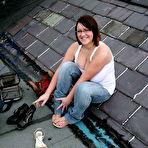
[55,117]
[60,123]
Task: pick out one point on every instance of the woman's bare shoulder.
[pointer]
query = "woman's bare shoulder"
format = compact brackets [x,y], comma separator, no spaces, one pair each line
[104,52]
[71,50]
[74,45]
[103,48]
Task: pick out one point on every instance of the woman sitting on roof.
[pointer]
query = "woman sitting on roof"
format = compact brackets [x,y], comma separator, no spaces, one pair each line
[86,75]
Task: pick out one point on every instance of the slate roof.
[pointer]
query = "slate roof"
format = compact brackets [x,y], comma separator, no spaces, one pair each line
[48,30]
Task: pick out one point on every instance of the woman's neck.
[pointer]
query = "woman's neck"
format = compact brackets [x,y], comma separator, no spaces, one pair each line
[89,46]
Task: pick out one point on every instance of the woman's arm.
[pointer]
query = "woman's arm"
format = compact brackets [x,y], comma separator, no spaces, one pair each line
[69,56]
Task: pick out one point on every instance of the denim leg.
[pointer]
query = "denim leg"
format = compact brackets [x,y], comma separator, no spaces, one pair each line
[85,94]
[68,75]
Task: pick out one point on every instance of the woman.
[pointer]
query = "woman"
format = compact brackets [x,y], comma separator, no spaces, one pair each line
[85,76]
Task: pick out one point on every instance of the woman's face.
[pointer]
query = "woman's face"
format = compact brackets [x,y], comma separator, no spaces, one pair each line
[84,34]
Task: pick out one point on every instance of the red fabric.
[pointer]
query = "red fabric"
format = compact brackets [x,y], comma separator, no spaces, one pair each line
[45,84]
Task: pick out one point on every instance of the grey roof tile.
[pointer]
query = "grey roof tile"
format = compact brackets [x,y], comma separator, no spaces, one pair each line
[146,12]
[49,58]
[36,28]
[120,13]
[114,29]
[103,8]
[136,8]
[70,11]
[35,11]
[42,14]
[103,36]
[101,21]
[119,69]
[146,28]
[144,45]
[41,65]
[61,44]
[80,13]
[58,6]
[125,135]
[119,3]
[30,56]
[48,35]
[65,25]
[142,97]
[107,1]
[53,19]
[131,57]
[19,35]
[135,20]
[89,5]
[47,3]
[36,48]
[77,2]
[143,67]
[131,82]
[56,65]
[136,143]
[71,34]
[115,45]
[134,37]
[137,125]
[116,111]
[26,40]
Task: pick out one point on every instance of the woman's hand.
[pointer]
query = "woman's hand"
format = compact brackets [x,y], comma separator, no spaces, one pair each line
[65,102]
[41,101]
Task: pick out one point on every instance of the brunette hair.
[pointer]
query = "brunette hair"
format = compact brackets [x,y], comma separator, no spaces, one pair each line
[90,23]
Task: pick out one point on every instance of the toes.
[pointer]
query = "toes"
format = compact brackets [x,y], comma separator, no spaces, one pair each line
[55,117]
[61,122]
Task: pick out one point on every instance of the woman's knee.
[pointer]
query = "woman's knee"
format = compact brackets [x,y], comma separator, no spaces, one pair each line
[67,65]
[69,68]
[83,88]
[82,94]
[65,69]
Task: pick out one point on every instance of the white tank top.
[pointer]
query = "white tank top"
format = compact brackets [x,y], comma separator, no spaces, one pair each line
[106,77]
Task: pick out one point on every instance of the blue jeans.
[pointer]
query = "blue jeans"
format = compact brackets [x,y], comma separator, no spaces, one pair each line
[86,93]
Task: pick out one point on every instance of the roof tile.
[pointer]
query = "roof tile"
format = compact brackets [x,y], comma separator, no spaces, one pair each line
[131,82]
[142,97]
[134,37]
[58,7]
[65,27]
[137,125]
[135,20]
[103,8]
[131,57]
[114,29]
[48,35]
[49,58]
[143,67]
[120,13]
[59,46]
[116,111]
